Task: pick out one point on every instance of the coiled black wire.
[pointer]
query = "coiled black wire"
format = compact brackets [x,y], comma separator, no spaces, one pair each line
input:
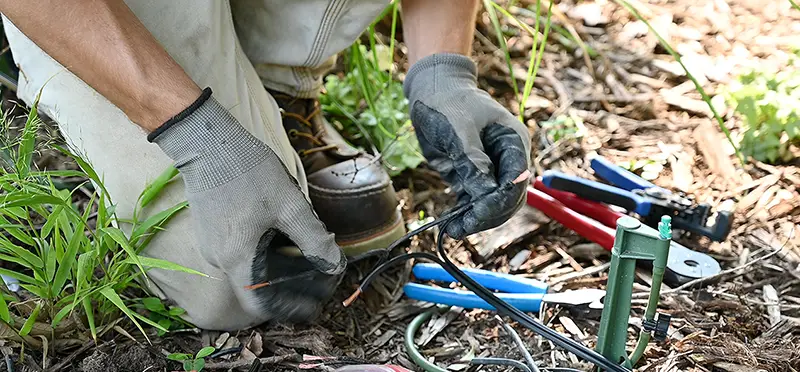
[502,307]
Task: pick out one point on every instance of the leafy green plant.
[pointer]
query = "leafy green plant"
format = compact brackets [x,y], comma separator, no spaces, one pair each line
[194,363]
[72,262]
[167,317]
[563,127]
[370,115]
[769,105]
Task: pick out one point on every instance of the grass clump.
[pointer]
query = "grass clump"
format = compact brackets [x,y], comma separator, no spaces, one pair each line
[769,105]
[67,266]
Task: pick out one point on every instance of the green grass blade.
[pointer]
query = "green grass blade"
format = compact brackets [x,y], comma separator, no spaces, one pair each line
[156,263]
[65,266]
[21,277]
[152,190]
[28,141]
[34,260]
[5,315]
[50,262]
[87,308]
[88,170]
[112,296]
[691,77]
[26,200]
[501,39]
[28,325]
[794,5]
[120,238]
[156,220]
[52,220]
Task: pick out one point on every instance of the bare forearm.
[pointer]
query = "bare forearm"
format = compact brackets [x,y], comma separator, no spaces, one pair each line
[440,26]
[104,44]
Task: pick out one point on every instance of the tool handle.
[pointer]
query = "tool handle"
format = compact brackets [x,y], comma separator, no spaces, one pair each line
[618,176]
[528,302]
[584,226]
[489,279]
[598,211]
[597,191]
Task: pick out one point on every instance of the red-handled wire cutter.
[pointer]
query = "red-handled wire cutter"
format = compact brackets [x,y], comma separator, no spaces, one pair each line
[597,222]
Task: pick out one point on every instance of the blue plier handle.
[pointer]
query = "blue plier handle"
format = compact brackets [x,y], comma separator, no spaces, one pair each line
[596,191]
[524,293]
[618,176]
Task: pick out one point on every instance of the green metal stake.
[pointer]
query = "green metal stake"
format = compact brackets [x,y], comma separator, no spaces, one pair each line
[633,241]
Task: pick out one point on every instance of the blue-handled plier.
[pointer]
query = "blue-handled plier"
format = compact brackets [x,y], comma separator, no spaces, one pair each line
[523,293]
[635,194]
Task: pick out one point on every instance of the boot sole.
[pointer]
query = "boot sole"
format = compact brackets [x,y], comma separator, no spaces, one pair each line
[379,240]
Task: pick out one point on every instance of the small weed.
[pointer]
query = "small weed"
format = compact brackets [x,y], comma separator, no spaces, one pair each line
[167,317]
[567,127]
[769,105]
[194,363]
[373,116]
[73,264]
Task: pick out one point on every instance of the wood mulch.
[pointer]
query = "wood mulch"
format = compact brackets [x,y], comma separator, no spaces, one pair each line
[631,102]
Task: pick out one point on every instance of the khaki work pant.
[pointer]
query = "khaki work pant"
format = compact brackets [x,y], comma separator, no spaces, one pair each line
[235,47]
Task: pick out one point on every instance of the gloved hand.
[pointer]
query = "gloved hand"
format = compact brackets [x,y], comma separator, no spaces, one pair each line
[246,206]
[477,145]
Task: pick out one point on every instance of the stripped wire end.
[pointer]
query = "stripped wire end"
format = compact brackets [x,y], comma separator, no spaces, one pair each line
[352,297]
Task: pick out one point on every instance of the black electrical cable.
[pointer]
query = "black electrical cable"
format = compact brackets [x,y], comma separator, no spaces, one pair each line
[505,309]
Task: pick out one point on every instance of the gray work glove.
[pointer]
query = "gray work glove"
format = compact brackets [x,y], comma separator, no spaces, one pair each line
[246,206]
[477,145]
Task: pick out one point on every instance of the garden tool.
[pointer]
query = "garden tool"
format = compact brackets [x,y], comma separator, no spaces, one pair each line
[635,194]
[595,221]
[523,293]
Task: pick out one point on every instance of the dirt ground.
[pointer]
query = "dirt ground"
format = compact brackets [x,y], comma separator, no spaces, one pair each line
[633,103]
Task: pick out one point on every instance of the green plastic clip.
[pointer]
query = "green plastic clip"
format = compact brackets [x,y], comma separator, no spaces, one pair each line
[633,241]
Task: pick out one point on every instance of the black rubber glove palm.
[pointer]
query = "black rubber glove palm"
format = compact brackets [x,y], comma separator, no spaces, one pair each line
[476,144]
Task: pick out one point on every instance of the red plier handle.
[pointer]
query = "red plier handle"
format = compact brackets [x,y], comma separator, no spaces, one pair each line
[573,212]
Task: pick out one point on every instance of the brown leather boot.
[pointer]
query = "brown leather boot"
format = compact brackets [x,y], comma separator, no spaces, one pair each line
[349,189]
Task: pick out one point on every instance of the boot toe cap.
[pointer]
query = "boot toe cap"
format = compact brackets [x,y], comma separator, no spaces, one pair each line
[355,199]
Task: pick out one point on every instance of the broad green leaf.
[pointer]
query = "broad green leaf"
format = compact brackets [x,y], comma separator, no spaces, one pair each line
[4,314]
[188,365]
[65,267]
[153,304]
[152,190]
[176,311]
[162,264]
[26,328]
[22,253]
[199,364]
[112,296]
[178,357]
[204,352]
